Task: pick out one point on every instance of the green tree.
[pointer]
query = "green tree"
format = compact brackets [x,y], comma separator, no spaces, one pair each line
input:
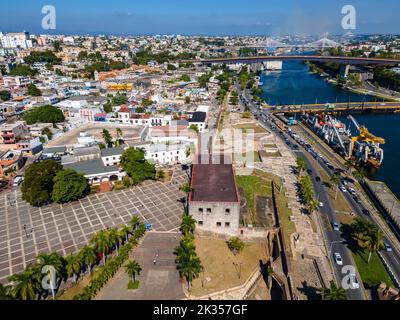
[115,237]
[146,103]
[5,293]
[69,186]
[185,78]
[73,266]
[38,184]
[190,267]
[107,138]
[102,244]
[25,285]
[194,127]
[46,131]
[5,95]
[301,164]
[50,259]
[235,245]
[359,173]
[22,70]
[134,223]
[334,292]
[44,114]
[188,224]
[135,165]
[88,257]
[133,269]
[187,99]
[33,90]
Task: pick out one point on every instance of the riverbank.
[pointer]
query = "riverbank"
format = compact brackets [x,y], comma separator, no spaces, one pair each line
[356,89]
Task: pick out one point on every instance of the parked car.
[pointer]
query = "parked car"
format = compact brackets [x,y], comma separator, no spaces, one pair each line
[366,212]
[321,204]
[338,258]
[317,179]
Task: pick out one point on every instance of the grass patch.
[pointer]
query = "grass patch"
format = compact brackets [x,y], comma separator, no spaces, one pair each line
[253,186]
[133,285]
[372,273]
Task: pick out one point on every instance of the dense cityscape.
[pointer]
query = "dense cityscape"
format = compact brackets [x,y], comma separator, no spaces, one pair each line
[185,167]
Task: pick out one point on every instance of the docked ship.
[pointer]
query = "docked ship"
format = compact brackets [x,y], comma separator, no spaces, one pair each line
[364,149]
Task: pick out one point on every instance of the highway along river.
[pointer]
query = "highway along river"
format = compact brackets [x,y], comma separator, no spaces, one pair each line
[295,85]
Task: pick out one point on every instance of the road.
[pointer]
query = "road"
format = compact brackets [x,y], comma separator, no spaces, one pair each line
[333,239]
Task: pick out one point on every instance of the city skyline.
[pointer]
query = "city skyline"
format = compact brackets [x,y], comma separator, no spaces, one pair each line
[200,18]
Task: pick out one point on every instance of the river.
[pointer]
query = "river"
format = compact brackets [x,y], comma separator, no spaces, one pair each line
[294,84]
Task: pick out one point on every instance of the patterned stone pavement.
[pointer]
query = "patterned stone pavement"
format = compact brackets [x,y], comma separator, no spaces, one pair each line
[27,231]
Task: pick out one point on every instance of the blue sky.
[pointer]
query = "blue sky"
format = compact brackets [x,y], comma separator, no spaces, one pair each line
[201,17]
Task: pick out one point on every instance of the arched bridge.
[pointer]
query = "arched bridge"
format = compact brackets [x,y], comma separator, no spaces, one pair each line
[336,59]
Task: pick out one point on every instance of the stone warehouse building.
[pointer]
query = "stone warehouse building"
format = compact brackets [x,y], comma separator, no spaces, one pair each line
[214,199]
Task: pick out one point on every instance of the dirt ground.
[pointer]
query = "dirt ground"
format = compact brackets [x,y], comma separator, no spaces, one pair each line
[221,267]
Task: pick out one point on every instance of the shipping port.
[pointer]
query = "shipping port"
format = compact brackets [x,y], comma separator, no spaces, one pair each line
[364,148]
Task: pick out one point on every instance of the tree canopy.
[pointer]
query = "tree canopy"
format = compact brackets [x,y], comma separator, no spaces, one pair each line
[5,95]
[69,186]
[22,70]
[44,114]
[37,187]
[33,90]
[135,165]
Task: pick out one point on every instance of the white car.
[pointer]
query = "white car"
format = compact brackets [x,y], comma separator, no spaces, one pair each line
[338,258]
[343,189]
[321,204]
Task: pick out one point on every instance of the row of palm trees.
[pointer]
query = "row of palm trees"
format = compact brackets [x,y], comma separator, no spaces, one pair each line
[28,284]
[307,193]
[188,263]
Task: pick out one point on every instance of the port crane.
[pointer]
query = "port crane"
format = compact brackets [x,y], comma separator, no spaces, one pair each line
[335,130]
[366,146]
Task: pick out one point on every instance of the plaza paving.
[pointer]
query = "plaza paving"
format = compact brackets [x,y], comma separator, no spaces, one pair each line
[158,281]
[27,231]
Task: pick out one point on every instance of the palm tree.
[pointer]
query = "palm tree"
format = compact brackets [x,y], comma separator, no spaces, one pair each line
[185,188]
[188,224]
[5,293]
[335,179]
[359,173]
[134,222]
[25,285]
[50,259]
[101,242]
[133,268]
[312,205]
[334,292]
[185,250]
[107,137]
[190,267]
[88,257]
[115,238]
[301,164]
[373,242]
[73,265]
[125,231]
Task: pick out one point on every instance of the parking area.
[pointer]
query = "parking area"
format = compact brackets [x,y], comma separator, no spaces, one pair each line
[159,281]
[26,231]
